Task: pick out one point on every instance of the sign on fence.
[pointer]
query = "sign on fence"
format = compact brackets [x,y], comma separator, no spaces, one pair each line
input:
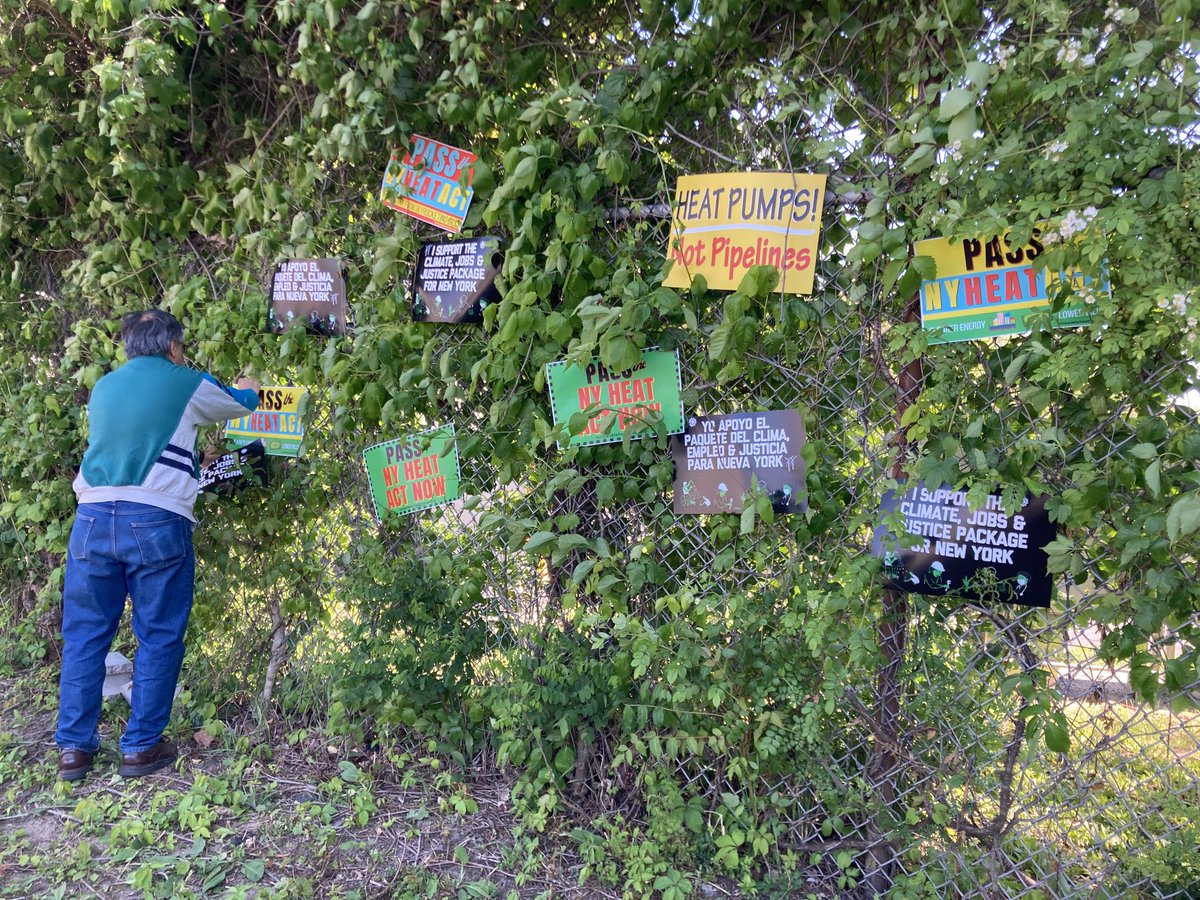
[455,280]
[233,471]
[721,459]
[424,183]
[308,292]
[621,402]
[980,554]
[413,472]
[276,422]
[724,225]
[986,288]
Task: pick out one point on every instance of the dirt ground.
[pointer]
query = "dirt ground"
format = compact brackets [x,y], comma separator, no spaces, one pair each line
[263,812]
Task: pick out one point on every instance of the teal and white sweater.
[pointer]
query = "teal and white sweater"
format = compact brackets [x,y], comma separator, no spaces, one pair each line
[142,422]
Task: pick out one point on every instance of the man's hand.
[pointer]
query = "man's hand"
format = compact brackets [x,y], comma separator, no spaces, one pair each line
[245,383]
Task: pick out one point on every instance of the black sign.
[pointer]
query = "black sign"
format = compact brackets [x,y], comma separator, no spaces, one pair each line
[980,554]
[720,459]
[234,471]
[309,292]
[455,280]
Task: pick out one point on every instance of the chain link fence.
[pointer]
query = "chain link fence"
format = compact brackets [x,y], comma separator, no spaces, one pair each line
[920,774]
[950,796]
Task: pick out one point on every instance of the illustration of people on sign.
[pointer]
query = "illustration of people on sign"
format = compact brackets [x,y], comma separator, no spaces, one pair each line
[936,577]
[723,495]
[781,499]
[893,567]
[1022,583]
[318,324]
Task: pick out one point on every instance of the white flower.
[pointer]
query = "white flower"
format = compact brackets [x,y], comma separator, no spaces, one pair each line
[1120,15]
[1178,303]
[1003,54]
[1055,150]
[1069,51]
[1073,223]
[1088,61]
[942,178]
[954,150]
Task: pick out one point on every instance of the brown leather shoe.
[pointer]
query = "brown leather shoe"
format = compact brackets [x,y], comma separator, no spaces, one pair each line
[74,764]
[161,755]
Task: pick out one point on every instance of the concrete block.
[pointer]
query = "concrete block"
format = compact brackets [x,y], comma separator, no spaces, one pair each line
[117,664]
[118,678]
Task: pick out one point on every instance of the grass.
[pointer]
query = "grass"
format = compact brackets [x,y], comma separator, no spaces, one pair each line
[1118,815]
[266,813]
[276,809]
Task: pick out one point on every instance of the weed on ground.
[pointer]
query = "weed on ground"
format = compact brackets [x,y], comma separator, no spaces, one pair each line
[265,812]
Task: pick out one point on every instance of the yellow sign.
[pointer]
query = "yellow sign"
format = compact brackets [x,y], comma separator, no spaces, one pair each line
[276,422]
[987,287]
[724,225]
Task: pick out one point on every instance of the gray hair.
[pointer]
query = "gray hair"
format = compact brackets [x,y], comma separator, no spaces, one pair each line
[149,332]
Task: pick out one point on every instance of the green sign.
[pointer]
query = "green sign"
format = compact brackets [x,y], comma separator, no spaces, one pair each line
[617,402]
[413,472]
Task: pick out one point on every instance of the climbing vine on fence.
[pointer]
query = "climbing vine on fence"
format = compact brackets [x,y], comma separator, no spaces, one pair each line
[735,685]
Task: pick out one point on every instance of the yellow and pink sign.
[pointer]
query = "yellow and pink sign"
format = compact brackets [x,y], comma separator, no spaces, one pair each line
[426,183]
[277,422]
[986,287]
[725,225]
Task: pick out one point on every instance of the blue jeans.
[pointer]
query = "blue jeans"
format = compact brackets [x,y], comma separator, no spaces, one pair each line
[116,549]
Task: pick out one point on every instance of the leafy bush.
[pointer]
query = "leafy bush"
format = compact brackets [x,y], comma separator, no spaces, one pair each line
[629,664]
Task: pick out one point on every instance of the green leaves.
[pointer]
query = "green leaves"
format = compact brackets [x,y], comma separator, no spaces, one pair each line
[526,171]
[1056,734]
[254,870]
[539,540]
[1153,476]
[1183,518]
[954,102]
[979,73]
[612,634]
[1135,57]
[613,164]
[962,126]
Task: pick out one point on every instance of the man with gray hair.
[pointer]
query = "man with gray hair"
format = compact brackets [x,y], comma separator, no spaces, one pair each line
[133,537]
